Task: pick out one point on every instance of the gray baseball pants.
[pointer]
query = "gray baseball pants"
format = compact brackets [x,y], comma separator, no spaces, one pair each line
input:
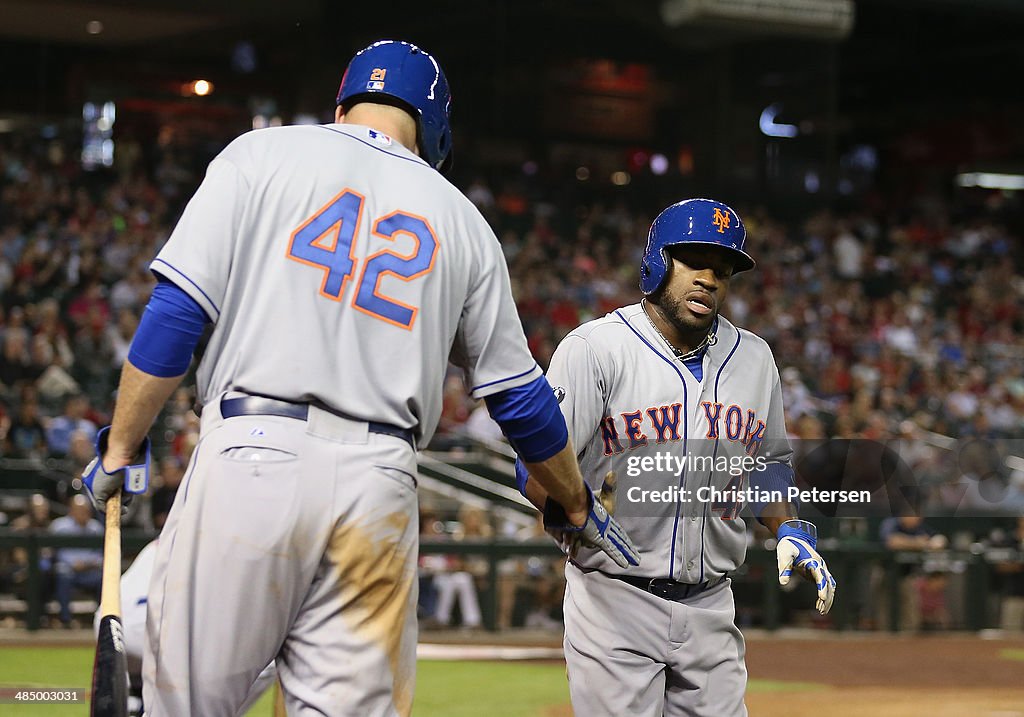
[293,541]
[631,653]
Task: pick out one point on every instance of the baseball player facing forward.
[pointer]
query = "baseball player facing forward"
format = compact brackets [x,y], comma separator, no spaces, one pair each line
[673,381]
[340,270]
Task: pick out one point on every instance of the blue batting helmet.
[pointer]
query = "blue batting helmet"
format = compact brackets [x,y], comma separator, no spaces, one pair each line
[410,74]
[692,221]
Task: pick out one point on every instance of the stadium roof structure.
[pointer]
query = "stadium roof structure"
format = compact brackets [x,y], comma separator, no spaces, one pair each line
[898,65]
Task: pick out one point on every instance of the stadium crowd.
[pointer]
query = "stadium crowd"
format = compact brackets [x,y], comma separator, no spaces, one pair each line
[874,320]
[883,324]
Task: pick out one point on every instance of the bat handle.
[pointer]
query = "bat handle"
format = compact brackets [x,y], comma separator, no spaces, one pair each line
[110,600]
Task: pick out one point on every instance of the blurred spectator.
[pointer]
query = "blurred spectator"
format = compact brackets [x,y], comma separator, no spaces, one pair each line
[130,293]
[36,518]
[798,398]
[480,194]
[474,524]
[430,529]
[848,252]
[90,309]
[1011,573]
[931,595]
[15,361]
[530,589]
[481,427]
[547,577]
[921,592]
[172,471]
[453,581]
[120,335]
[94,363]
[53,382]
[76,568]
[186,439]
[5,427]
[61,428]
[456,405]
[26,437]
[51,330]
[82,450]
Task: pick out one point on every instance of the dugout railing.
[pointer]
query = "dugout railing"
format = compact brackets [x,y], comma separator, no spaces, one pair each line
[755,584]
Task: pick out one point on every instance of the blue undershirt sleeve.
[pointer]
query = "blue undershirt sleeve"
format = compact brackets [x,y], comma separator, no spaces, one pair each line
[522,476]
[531,420]
[168,333]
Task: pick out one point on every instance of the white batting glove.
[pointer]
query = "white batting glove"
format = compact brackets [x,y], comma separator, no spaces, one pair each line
[796,549]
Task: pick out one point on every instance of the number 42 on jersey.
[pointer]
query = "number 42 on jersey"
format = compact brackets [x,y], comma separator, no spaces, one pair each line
[327,241]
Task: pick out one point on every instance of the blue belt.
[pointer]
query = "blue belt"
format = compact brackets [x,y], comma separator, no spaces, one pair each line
[263,406]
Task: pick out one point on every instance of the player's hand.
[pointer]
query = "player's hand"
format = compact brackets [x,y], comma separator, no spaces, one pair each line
[797,551]
[570,542]
[600,531]
[103,478]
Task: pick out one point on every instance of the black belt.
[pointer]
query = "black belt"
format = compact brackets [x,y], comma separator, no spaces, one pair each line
[263,406]
[666,588]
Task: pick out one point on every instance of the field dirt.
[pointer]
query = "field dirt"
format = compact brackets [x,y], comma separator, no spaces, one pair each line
[879,676]
[960,676]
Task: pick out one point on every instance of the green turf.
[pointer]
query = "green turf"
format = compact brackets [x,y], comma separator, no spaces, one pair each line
[783,686]
[1013,654]
[63,667]
[443,689]
[495,689]
[45,667]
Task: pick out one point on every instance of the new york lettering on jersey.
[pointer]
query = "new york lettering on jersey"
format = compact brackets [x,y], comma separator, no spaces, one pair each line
[660,425]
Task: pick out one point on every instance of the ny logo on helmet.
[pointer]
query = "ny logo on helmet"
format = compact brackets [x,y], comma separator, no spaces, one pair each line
[721,220]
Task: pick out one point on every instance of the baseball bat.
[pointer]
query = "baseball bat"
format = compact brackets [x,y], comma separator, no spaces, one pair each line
[110,666]
[279,708]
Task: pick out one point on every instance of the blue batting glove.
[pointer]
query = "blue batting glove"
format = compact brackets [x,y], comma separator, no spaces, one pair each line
[601,531]
[797,548]
[129,480]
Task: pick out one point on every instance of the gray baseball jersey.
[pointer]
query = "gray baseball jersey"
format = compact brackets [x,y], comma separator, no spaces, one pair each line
[631,407]
[341,271]
[627,398]
[350,288]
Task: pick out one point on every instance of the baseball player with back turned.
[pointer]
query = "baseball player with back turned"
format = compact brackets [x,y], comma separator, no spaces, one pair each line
[672,378]
[340,270]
